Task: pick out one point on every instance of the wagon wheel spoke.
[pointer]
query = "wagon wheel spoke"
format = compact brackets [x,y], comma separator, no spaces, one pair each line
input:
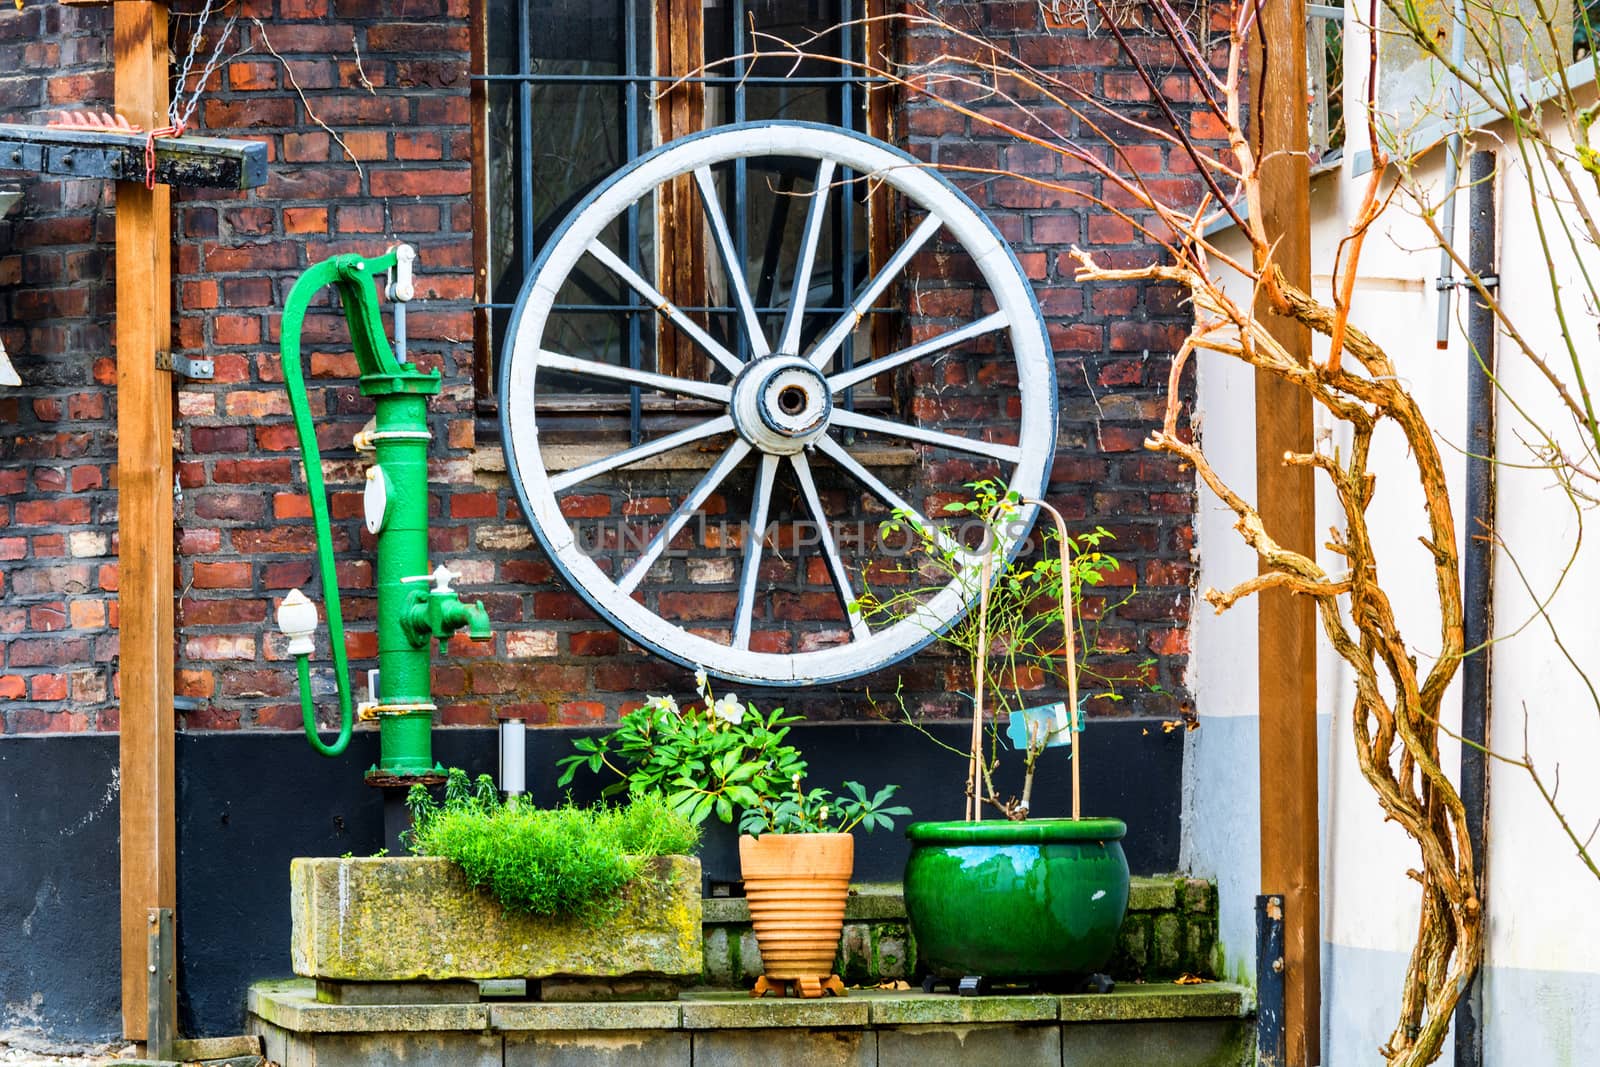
[658,300]
[822,353]
[909,432]
[752,549]
[836,452]
[691,504]
[709,428]
[784,401]
[615,372]
[841,577]
[995,320]
[731,263]
[806,261]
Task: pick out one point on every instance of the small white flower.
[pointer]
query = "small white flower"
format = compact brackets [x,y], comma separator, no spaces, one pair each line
[666,703]
[728,709]
[700,680]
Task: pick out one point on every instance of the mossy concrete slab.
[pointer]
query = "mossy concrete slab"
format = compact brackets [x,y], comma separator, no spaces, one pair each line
[946,1008]
[293,1005]
[1131,1003]
[735,1011]
[408,918]
[591,1048]
[642,1015]
[1153,894]
[969,1046]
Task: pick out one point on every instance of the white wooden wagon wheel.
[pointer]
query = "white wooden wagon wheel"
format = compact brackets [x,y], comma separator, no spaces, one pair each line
[783,405]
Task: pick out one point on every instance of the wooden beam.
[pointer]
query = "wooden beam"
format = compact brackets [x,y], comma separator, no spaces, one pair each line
[1287,672]
[144,508]
[194,161]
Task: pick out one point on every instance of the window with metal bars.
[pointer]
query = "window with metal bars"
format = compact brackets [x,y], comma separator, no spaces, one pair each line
[576,89]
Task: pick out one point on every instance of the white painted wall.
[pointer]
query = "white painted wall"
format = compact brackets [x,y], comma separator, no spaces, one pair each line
[1542,984]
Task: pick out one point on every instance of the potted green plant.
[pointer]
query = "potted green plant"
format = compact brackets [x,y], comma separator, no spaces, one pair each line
[1015,898]
[720,757]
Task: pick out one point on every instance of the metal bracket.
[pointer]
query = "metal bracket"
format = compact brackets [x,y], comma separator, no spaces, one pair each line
[197,369]
[1271,1007]
[161,989]
[1490,281]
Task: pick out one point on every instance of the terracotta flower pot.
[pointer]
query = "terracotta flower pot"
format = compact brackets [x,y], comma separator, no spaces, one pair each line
[796,886]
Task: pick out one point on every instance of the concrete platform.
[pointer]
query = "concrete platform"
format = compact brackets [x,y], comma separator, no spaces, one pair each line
[1136,1026]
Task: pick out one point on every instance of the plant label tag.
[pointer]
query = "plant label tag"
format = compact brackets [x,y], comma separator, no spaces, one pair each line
[1051,724]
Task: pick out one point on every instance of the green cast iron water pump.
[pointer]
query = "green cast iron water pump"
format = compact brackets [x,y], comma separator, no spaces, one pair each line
[416,606]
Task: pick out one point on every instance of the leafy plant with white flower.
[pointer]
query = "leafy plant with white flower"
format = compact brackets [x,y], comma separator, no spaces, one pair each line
[817,811]
[722,757]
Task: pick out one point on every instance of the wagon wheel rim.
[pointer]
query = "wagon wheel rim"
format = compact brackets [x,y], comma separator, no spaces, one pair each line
[779,408]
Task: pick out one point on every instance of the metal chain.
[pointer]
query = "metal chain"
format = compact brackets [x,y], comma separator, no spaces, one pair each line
[182,107]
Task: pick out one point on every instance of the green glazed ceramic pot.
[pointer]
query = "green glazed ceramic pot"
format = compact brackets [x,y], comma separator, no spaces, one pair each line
[1038,899]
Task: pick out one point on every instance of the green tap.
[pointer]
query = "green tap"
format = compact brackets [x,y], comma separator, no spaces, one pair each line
[439,612]
[396,508]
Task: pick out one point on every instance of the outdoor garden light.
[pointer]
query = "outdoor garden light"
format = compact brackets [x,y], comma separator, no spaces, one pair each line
[297,618]
[513,757]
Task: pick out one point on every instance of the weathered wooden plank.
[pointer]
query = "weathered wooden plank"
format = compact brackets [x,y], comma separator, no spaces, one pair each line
[144,479]
[211,162]
[1287,668]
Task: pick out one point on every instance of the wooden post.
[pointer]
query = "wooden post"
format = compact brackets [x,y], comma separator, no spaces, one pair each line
[144,508]
[1285,494]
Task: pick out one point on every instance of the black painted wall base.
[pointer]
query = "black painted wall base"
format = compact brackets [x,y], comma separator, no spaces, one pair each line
[248,803]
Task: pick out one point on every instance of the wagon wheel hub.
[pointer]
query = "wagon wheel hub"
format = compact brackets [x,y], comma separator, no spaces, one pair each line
[781,404]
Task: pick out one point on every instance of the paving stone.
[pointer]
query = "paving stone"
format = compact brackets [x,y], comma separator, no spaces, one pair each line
[969,1046]
[786,1048]
[1193,1043]
[592,1048]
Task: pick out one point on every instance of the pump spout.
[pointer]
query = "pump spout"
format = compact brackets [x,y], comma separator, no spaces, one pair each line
[440,611]
[478,628]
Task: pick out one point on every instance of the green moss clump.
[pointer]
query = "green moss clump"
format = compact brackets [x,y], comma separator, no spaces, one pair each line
[566,861]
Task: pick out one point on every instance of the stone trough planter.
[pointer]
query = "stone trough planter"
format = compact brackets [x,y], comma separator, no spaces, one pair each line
[416,918]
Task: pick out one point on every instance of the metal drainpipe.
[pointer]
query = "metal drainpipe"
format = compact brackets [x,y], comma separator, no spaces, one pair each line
[1477,566]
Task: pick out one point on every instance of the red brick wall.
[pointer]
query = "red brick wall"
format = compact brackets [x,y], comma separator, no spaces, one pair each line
[391,84]
[245,536]
[58,504]
[1113,343]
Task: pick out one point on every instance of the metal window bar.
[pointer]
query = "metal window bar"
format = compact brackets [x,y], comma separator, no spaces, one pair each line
[630,49]
[668,79]
[632,79]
